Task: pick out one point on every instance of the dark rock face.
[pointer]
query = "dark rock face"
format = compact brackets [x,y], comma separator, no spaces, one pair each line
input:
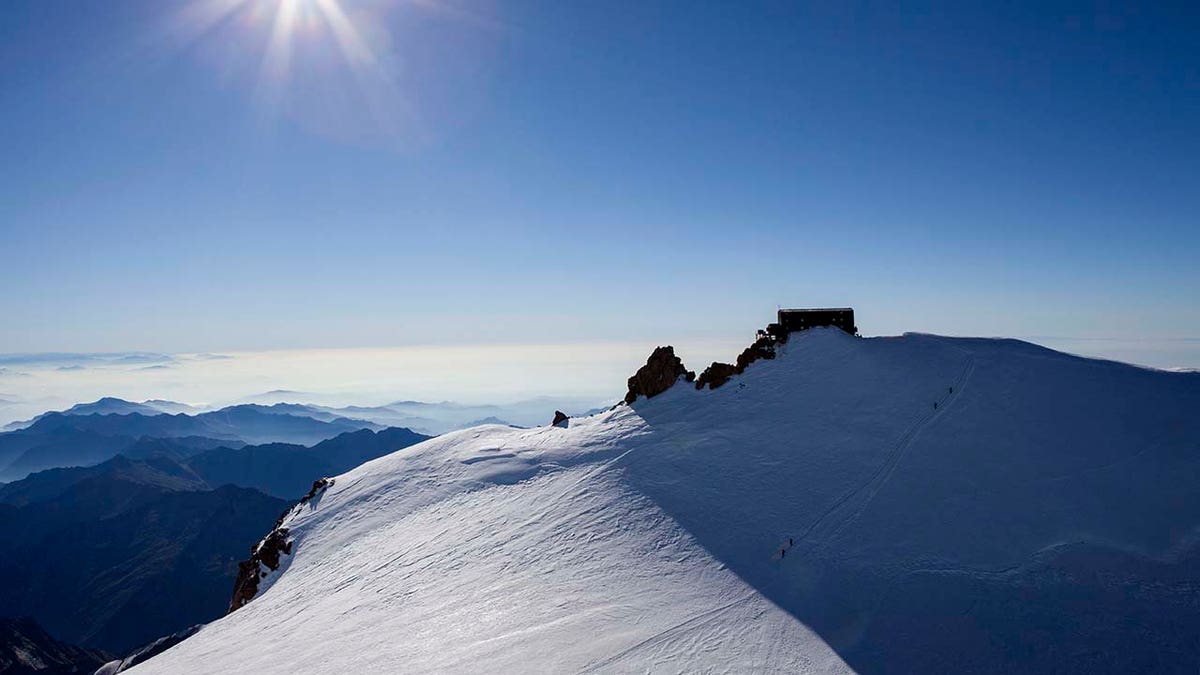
[26,648]
[268,552]
[716,375]
[250,572]
[662,370]
[719,373]
[318,487]
[560,419]
[762,348]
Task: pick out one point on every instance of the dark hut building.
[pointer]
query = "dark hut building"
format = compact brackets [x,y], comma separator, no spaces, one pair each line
[792,320]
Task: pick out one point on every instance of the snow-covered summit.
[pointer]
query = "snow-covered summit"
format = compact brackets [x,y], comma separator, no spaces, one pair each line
[915,503]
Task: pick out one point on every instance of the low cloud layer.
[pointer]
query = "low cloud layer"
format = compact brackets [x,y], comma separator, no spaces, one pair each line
[35,383]
[462,373]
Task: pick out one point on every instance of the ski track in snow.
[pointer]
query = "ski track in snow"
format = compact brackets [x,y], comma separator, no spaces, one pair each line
[897,455]
[868,490]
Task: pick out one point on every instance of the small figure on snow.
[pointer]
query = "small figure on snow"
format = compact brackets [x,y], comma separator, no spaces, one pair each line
[783,553]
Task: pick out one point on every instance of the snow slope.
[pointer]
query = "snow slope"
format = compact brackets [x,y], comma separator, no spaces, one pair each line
[1042,517]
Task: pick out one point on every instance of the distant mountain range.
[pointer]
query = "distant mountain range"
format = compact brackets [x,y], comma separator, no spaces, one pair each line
[124,522]
[112,406]
[120,553]
[442,417]
[84,438]
[431,418]
[116,406]
[283,470]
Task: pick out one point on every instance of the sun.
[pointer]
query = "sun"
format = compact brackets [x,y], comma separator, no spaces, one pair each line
[290,14]
[308,53]
[350,69]
[285,22]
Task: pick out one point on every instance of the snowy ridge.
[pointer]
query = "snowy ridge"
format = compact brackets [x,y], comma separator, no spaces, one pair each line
[656,536]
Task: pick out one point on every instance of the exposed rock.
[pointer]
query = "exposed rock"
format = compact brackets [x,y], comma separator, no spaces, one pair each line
[265,556]
[251,572]
[716,375]
[719,373]
[560,419]
[662,370]
[317,487]
[275,545]
[763,348]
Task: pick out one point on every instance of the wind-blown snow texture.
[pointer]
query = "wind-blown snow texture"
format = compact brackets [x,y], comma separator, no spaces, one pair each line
[1044,516]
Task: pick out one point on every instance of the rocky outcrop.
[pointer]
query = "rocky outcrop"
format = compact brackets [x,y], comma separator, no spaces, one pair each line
[763,348]
[266,555]
[318,487]
[719,373]
[264,559]
[560,419]
[662,370]
[716,375]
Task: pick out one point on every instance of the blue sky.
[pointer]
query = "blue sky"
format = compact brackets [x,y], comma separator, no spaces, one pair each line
[539,172]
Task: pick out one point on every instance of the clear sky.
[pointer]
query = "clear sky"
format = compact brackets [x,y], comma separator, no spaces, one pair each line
[219,175]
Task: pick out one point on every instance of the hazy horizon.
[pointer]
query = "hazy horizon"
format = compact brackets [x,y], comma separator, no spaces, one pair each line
[592,373]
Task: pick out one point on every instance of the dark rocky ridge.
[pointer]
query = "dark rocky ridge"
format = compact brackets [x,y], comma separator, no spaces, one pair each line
[662,370]
[715,375]
[250,572]
[268,552]
[719,373]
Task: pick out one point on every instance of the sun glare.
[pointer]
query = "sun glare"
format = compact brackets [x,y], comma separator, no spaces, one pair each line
[286,35]
[343,68]
[285,22]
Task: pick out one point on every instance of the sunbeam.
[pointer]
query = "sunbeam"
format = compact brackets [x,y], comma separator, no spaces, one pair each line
[354,49]
[334,66]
